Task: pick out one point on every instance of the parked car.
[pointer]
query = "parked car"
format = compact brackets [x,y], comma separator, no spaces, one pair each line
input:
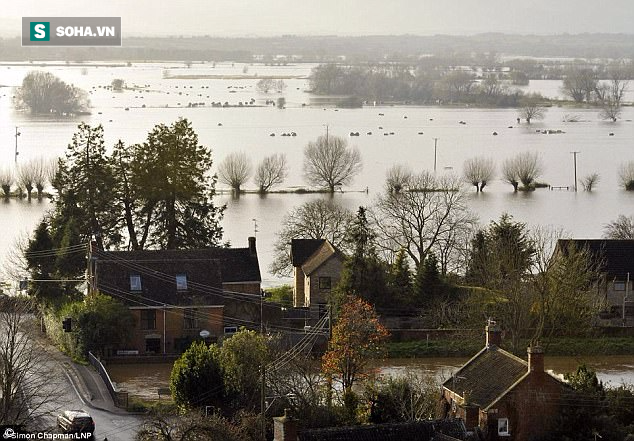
[76,421]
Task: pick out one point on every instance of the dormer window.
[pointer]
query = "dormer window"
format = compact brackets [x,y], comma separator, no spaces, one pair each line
[181,282]
[135,282]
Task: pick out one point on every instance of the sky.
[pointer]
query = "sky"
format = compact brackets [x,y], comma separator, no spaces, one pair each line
[337,17]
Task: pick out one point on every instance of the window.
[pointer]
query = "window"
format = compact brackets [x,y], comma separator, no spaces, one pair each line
[148,319]
[135,282]
[619,286]
[181,282]
[324,283]
[503,427]
[189,319]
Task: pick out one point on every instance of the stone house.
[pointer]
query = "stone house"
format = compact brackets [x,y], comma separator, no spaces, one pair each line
[502,397]
[317,266]
[615,262]
[174,295]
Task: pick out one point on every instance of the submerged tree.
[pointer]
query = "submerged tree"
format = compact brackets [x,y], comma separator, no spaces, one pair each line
[271,171]
[524,168]
[622,228]
[44,93]
[328,162]
[478,171]
[531,108]
[235,170]
[626,175]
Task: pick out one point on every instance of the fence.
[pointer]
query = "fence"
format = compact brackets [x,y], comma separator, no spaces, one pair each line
[120,398]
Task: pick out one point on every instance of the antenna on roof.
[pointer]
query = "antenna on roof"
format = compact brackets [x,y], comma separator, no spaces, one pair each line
[255,226]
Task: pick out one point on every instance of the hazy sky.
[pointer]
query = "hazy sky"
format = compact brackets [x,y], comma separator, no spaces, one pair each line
[341,17]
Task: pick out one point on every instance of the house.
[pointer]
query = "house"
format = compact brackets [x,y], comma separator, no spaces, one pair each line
[502,397]
[317,266]
[286,428]
[177,296]
[615,261]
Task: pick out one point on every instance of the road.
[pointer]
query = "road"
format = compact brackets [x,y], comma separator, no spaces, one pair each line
[75,387]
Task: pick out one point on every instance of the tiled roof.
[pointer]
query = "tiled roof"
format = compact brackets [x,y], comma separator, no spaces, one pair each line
[487,375]
[319,257]
[302,249]
[206,270]
[615,256]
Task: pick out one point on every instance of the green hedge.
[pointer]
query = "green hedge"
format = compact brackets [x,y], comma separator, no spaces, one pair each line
[557,346]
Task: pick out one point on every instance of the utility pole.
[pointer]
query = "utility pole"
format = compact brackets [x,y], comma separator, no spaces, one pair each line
[574,155]
[627,288]
[435,146]
[255,227]
[17,133]
[326,133]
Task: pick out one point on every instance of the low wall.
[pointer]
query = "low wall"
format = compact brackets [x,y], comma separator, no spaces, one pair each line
[119,398]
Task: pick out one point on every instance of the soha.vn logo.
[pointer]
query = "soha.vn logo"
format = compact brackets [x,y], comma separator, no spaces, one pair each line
[40,31]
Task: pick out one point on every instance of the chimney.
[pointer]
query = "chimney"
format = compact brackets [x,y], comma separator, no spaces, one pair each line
[535,358]
[494,334]
[252,249]
[284,428]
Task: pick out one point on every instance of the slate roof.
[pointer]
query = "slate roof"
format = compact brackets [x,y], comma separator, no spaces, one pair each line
[302,249]
[319,257]
[491,372]
[158,269]
[616,257]
[412,431]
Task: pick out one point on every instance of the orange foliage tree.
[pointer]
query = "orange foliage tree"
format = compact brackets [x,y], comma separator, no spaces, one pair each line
[356,338]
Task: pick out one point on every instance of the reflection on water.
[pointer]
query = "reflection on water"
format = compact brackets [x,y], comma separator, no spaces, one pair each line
[144,379]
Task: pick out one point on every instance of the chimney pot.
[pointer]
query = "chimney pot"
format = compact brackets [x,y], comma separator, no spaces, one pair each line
[535,358]
[252,248]
[493,334]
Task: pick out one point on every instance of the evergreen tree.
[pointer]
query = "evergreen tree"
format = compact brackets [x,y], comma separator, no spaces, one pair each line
[85,173]
[363,273]
[400,279]
[41,265]
[171,172]
[428,284]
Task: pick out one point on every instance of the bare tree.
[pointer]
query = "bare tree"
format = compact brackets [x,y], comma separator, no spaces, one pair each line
[621,228]
[397,178]
[416,219]
[27,172]
[271,171]
[579,84]
[318,219]
[590,181]
[626,175]
[610,95]
[524,168]
[531,108]
[329,162]
[235,170]
[27,385]
[6,181]
[163,425]
[478,171]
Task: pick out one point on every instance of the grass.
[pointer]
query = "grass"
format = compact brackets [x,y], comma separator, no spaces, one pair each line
[564,346]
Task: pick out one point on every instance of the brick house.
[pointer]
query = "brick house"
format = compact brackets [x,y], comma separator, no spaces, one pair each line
[502,397]
[615,261]
[317,266]
[175,294]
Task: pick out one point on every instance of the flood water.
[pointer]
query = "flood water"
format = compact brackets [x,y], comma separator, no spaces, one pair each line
[144,380]
[248,129]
